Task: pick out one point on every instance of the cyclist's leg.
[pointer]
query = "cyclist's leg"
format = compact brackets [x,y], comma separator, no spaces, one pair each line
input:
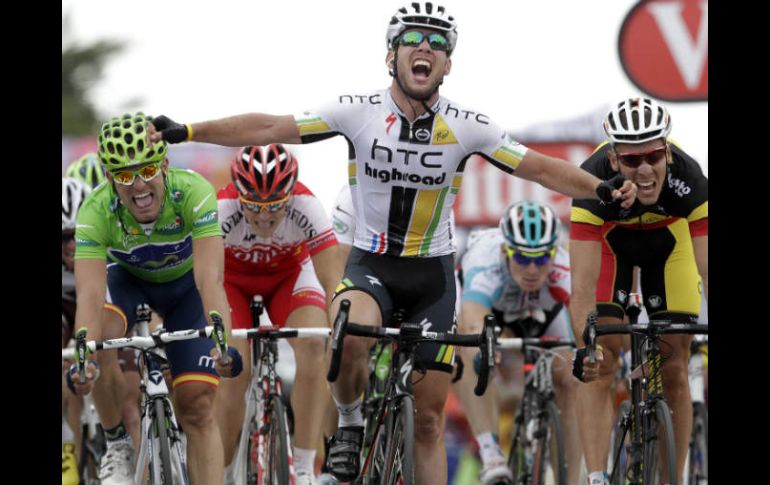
[565,390]
[130,411]
[229,406]
[481,411]
[435,310]
[671,289]
[194,378]
[305,302]
[595,407]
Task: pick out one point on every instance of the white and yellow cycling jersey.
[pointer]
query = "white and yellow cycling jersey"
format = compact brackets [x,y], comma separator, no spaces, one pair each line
[404,176]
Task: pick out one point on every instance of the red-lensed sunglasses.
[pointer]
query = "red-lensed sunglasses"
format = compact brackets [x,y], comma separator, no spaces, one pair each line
[634,160]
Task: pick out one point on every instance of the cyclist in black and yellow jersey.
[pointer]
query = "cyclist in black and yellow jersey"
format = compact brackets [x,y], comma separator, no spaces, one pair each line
[665,233]
[407,151]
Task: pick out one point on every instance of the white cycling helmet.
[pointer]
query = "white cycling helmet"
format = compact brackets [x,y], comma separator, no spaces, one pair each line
[425,15]
[530,226]
[637,120]
[73,193]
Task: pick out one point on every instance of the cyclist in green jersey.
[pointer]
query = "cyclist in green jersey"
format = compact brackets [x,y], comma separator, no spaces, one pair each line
[151,235]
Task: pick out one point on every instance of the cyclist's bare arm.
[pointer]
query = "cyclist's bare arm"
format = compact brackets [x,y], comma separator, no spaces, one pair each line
[472,320]
[91,287]
[700,245]
[567,178]
[241,130]
[209,274]
[328,269]
[585,261]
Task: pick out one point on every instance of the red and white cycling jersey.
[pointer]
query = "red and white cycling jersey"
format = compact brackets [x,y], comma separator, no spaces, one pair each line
[303,232]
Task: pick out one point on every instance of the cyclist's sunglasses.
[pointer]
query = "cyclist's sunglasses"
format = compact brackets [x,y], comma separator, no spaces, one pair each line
[633,160]
[67,237]
[523,258]
[414,38]
[146,173]
[272,206]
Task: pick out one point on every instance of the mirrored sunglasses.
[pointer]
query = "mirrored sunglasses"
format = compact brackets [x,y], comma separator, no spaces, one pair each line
[414,38]
[524,258]
[272,206]
[146,173]
[634,160]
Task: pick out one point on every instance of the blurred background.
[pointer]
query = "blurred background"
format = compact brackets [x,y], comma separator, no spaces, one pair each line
[547,71]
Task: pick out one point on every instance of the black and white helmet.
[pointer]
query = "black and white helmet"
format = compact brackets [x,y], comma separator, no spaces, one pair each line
[73,193]
[425,15]
[637,120]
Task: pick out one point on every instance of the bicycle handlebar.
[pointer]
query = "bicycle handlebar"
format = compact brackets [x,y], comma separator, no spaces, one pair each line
[541,342]
[220,336]
[342,327]
[276,332]
[654,327]
[141,342]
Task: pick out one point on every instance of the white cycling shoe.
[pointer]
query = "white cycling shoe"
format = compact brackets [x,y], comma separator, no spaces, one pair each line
[117,465]
[496,473]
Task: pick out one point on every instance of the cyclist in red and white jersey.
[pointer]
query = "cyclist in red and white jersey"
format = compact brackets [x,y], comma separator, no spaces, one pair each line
[279,243]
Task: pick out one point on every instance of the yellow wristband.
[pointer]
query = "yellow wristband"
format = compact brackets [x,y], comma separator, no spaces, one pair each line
[189,131]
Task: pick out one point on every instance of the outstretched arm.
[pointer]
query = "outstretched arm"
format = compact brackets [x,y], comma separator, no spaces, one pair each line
[234,131]
[568,179]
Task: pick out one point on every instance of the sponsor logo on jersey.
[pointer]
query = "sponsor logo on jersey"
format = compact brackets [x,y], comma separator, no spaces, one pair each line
[680,188]
[655,301]
[231,221]
[358,99]
[373,280]
[622,297]
[177,195]
[303,222]
[422,134]
[207,218]
[390,120]
[463,114]
[386,176]
[339,226]
[171,228]
[155,256]
[663,47]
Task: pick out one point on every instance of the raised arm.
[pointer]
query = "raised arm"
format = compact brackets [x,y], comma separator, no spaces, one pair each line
[234,131]
[568,179]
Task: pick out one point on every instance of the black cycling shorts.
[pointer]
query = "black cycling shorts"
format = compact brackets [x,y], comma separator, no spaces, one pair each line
[423,288]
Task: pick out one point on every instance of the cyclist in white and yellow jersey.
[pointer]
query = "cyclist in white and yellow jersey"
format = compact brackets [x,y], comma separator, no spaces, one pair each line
[408,147]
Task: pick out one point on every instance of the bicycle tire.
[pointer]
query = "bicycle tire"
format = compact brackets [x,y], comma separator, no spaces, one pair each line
[517,458]
[276,444]
[400,439]
[163,447]
[618,461]
[698,458]
[659,429]
[549,439]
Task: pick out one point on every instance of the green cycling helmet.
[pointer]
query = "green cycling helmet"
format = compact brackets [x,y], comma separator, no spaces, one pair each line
[123,142]
[87,169]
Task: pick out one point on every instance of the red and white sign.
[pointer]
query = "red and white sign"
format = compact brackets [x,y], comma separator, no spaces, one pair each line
[486,190]
[663,47]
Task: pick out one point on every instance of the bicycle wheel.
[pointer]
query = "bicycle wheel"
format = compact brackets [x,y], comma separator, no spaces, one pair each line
[699,442]
[517,457]
[550,464]
[276,444]
[400,454]
[373,451]
[659,448]
[618,461]
[160,470]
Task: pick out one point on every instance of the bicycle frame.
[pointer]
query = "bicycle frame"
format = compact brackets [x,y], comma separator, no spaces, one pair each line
[264,384]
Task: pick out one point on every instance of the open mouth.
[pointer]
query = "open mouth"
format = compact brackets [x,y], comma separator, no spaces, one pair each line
[646,188]
[421,69]
[143,201]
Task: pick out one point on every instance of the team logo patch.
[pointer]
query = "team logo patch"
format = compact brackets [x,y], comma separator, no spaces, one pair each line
[622,297]
[655,301]
[422,134]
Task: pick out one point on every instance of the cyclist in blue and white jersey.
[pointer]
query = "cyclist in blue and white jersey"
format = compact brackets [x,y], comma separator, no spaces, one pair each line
[519,273]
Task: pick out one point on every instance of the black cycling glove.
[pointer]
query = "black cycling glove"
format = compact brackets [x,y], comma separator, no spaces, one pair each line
[604,190]
[577,364]
[170,130]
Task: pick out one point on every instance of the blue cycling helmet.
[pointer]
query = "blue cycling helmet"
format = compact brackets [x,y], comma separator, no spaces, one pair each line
[530,226]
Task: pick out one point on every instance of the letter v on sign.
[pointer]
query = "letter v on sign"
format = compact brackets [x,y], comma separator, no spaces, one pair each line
[663,47]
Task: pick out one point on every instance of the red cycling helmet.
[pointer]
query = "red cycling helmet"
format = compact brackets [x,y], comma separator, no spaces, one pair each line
[264,174]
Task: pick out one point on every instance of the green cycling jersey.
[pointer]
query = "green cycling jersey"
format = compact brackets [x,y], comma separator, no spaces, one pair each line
[158,252]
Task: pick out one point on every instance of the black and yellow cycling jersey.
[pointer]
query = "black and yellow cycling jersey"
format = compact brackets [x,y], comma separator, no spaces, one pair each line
[657,238]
